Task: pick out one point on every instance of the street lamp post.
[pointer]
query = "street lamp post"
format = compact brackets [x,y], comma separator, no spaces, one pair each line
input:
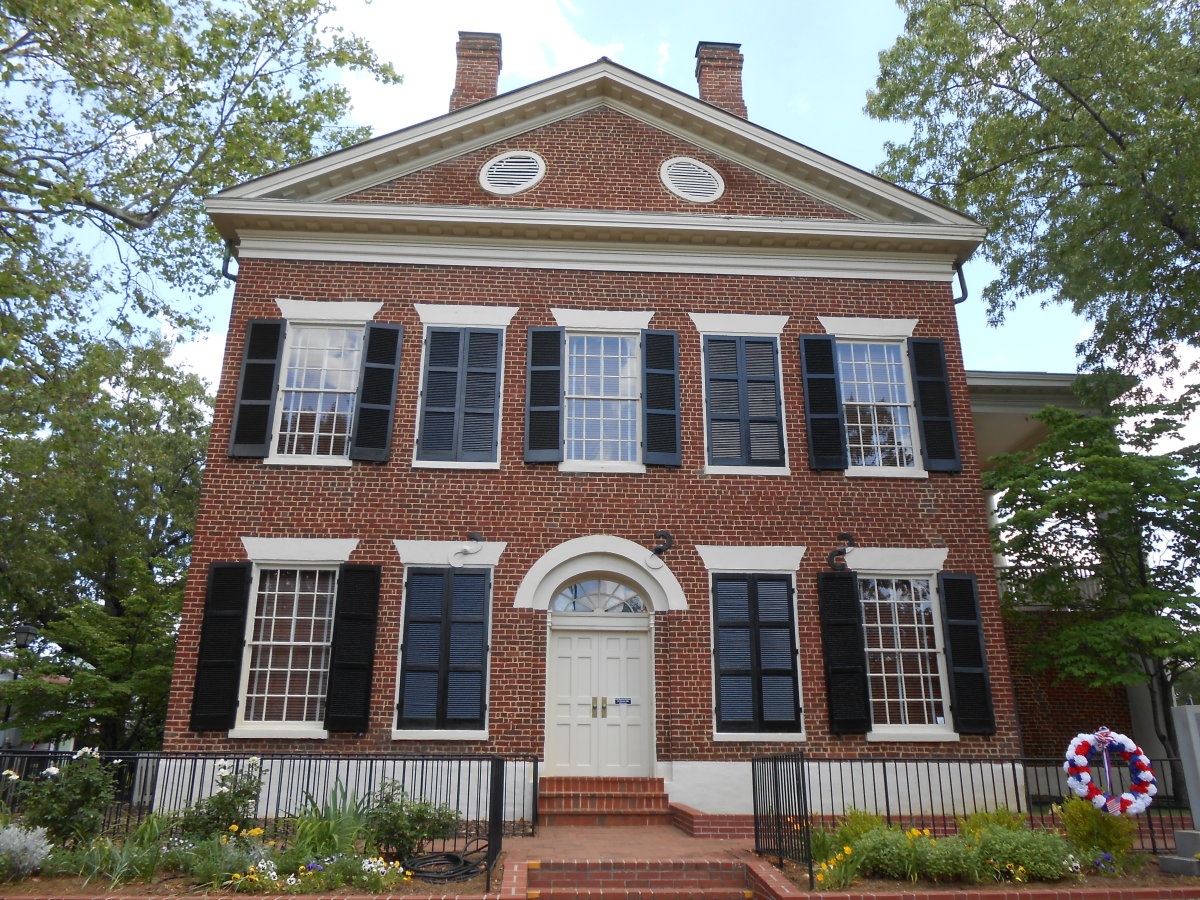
[23,636]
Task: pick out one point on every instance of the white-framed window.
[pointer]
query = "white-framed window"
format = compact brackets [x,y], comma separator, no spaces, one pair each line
[906,669]
[317,391]
[602,393]
[286,663]
[603,399]
[877,402]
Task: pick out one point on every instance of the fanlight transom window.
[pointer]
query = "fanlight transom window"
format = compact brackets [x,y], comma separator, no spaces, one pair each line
[598,595]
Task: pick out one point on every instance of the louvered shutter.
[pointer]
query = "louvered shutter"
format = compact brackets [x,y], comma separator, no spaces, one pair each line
[222,637]
[544,396]
[823,403]
[462,395]
[444,654]
[755,654]
[352,654]
[376,402]
[660,398]
[257,386]
[844,644]
[745,424]
[931,387]
[966,660]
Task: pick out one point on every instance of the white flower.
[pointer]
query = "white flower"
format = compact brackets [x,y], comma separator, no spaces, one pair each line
[11,775]
[86,751]
[50,770]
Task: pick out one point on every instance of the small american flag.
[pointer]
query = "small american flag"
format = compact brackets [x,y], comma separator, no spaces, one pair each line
[1114,806]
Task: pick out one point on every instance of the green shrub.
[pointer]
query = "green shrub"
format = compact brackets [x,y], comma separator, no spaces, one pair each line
[1002,817]
[823,843]
[855,823]
[69,800]
[233,802]
[331,827]
[400,825]
[953,858]
[892,853]
[1095,832]
[1024,855]
[839,869]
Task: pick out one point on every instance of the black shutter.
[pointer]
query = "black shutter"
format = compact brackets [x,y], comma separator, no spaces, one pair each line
[544,396]
[745,424]
[257,386]
[931,387]
[352,654]
[222,637]
[970,692]
[462,395]
[376,393]
[757,688]
[444,654]
[660,398]
[823,403]
[844,644]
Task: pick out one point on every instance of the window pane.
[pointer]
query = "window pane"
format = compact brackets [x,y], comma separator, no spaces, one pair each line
[903,662]
[320,381]
[877,404]
[289,645]
[602,398]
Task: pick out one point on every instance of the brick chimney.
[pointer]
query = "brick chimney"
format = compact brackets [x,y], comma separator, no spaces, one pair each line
[719,75]
[478,68]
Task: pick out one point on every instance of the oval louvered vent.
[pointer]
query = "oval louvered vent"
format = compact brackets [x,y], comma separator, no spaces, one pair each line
[512,172]
[692,180]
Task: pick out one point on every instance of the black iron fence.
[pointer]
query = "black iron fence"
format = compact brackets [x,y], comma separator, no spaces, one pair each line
[494,795]
[793,793]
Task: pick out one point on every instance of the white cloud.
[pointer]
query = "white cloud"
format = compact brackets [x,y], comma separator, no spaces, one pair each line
[664,58]
[419,41]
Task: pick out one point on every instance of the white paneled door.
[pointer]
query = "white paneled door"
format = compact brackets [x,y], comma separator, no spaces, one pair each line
[599,710]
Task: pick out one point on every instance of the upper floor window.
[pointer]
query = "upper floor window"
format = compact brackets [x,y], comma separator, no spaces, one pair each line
[602,393]
[877,400]
[461,380]
[742,393]
[318,386]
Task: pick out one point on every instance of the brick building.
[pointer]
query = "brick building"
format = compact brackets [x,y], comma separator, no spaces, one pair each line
[593,421]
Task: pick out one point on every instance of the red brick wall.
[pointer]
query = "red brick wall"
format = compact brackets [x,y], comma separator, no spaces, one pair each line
[534,507]
[1052,710]
[604,160]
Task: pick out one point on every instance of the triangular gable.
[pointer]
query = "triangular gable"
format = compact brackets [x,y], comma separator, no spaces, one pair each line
[603,83]
[609,161]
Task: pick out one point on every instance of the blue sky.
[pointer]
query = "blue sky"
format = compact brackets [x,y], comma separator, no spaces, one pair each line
[809,65]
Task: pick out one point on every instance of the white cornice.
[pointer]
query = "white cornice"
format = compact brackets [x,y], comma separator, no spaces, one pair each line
[565,95]
[598,256]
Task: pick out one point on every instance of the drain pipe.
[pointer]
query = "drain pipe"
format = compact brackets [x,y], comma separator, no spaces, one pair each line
[962,283]
[229,255]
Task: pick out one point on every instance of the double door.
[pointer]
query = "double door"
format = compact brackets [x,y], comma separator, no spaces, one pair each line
[599,712]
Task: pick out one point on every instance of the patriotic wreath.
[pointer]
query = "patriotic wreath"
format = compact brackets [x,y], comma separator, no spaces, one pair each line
[1083,750]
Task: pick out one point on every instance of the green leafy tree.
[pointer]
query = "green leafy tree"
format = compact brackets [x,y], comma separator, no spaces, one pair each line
[1072,131]
[1101,533]
[116,119]
[96,515]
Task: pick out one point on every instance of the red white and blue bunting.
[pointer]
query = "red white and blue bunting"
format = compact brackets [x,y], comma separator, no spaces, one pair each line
[1082,752]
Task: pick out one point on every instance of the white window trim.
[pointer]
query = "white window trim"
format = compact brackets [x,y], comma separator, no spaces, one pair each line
[901,562]
[718,193]
[897,331]
[754,560]
[744,325]
[333,313]
[622,322]
[452,315]
[454,555]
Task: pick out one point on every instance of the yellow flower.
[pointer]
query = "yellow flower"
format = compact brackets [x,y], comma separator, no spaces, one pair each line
[847,850]
[233,827]
[254,832]
[925,832]
[840,857]
[236,876]
[820,877]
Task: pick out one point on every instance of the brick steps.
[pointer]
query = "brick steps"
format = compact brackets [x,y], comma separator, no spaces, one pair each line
[602,801]
[582,879]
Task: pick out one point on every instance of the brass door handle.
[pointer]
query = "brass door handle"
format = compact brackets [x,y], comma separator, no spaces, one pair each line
[593,707]
[604,707]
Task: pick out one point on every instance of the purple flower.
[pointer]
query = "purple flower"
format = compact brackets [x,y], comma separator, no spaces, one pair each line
[315,867]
